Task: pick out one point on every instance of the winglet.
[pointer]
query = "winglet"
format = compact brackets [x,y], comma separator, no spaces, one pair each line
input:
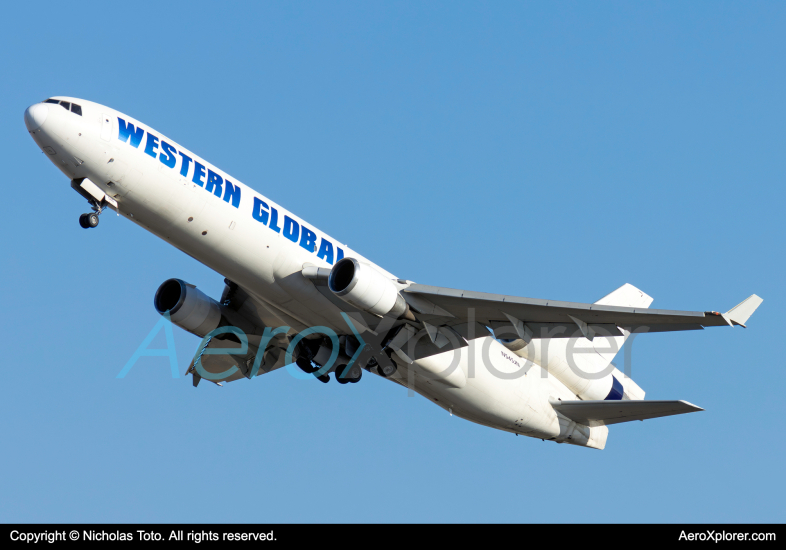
[740,313]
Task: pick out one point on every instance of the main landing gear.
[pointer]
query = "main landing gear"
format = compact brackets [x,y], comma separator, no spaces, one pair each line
[313,353]
[306,366]
[342,373]
[385,370]
[90,219]
[345,374]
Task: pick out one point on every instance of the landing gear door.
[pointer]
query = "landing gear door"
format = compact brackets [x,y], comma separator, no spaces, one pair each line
[106,126]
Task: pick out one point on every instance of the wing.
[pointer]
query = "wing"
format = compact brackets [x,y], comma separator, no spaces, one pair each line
[603,413]
[465,311]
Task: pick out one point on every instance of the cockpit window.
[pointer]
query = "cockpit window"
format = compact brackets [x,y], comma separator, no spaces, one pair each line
[73,107]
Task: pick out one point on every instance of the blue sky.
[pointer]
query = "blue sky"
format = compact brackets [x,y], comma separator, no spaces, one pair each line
[550,150]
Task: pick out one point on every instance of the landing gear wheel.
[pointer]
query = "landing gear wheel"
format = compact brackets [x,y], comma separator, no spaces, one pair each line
[387,370]
[340,374]
[354,374]
[92,219]
[305,365]
[83,221]
[324,378]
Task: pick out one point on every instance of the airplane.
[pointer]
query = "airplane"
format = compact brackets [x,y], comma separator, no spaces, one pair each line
[295,295]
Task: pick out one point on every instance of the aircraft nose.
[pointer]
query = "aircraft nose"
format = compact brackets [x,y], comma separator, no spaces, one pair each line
[35,116]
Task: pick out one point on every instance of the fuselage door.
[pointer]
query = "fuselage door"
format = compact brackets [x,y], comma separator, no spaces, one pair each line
[106,126]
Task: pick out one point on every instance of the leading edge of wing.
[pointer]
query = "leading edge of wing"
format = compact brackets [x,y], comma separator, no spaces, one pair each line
[489,306]
[604,413]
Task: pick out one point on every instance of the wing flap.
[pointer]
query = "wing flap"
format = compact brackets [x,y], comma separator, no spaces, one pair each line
[604,413]
[223,360]
[488,309]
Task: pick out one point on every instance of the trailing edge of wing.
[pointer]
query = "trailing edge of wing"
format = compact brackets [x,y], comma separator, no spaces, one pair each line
[603,413]
[560,319]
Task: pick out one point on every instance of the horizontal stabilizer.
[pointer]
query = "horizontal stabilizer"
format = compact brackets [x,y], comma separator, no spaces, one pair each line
[603,413]
[741,313]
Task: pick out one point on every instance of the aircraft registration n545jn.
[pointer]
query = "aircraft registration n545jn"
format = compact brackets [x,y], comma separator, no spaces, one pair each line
[539,368]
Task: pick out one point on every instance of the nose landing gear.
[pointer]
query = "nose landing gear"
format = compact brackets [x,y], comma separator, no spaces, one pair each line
[90,219]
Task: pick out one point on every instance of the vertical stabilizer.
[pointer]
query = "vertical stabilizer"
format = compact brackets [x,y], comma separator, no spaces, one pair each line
[626,296]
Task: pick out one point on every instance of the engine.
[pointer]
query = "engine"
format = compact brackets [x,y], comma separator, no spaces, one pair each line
[366,288]
[189,308]
[582,365]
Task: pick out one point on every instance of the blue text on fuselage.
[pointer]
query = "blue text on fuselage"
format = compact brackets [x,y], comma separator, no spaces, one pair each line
[211,181]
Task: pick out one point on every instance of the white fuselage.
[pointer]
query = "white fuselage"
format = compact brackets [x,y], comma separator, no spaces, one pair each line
[261,246]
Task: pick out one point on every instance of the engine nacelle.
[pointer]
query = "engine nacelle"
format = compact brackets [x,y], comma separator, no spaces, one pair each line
[189,308]
[582,365]
[366,288]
